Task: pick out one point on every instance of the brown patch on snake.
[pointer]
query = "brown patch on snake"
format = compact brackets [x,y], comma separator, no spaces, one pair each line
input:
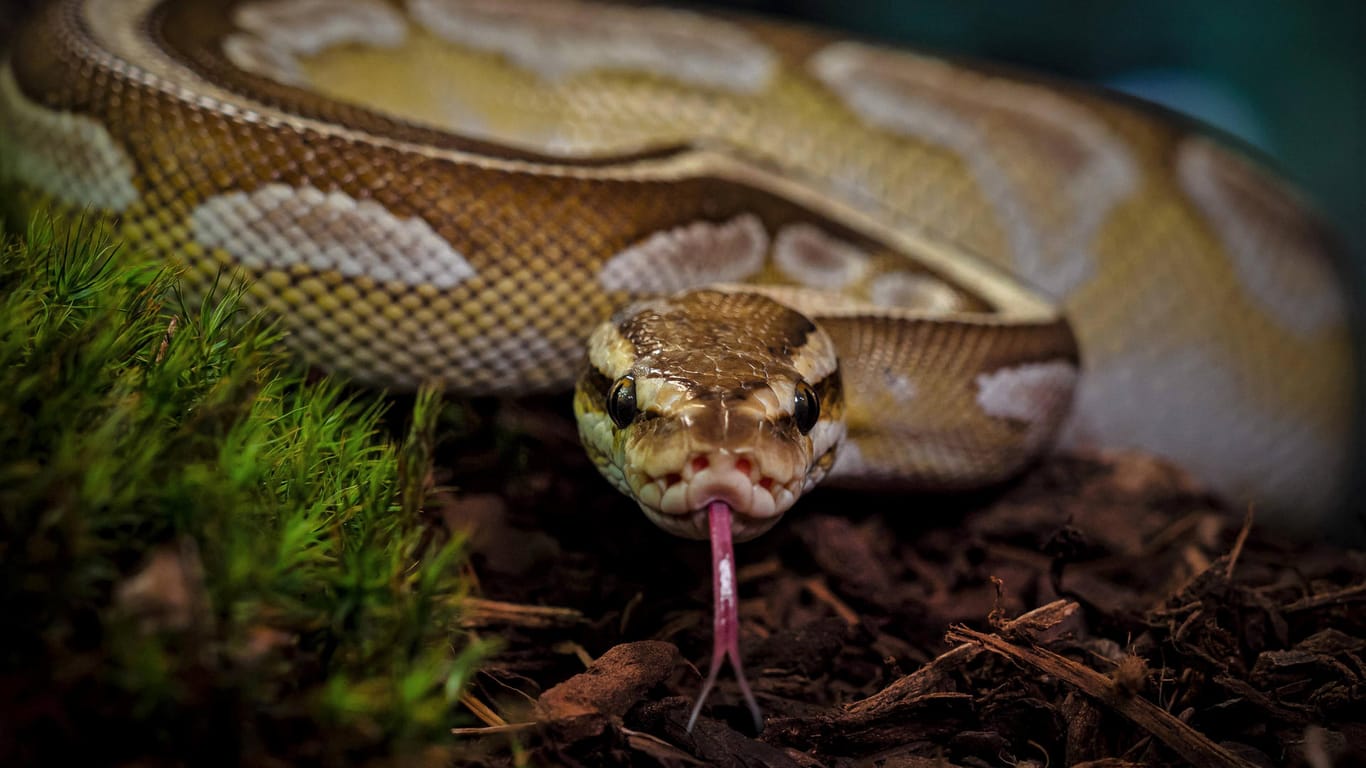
[731,341]
[594,386]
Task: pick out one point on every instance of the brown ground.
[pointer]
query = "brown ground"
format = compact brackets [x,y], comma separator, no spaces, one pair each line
[1103,611]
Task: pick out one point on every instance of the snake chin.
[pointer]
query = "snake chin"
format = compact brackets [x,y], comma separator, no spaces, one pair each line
[677,501]
[693,524]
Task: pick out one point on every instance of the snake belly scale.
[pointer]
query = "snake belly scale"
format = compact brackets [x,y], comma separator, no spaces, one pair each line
[464,190]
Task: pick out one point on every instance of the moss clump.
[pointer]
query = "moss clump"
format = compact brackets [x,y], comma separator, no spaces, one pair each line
[205,556]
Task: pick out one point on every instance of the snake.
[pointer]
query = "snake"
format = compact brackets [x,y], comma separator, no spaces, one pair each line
[762,255]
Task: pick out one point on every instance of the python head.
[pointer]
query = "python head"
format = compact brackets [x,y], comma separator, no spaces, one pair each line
[711,395]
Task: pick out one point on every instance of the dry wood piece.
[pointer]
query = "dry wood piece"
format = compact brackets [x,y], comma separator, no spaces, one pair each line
[493,613]
[1183,739]
[933,675]
[587,704]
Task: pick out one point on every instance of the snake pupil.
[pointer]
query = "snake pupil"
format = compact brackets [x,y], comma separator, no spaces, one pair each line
[621,401]
[807,408]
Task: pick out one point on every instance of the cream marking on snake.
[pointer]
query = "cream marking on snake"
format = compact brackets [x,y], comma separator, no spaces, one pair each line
[820,359]
[899,387]
[809,256]
[1260,227]
[70,157]
[276,32]
[1245,458]
[1037,394]
[849,461]
[825,436]
[252,54]
[528,347]
[560,39]
[279,226]
[310,26]
[689,256]
[932,101]
[907,290]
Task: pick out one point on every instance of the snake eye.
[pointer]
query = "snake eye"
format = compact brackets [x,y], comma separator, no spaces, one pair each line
[807,408]
[621,401]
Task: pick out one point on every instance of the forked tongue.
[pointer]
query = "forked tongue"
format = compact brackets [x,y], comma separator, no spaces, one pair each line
[725,617]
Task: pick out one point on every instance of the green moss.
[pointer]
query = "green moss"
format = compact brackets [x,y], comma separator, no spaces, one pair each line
[204,554]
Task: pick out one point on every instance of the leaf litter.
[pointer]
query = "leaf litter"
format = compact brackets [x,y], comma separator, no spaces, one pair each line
[1101,611]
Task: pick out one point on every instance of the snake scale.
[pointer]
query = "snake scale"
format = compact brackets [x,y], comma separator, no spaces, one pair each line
[803,256]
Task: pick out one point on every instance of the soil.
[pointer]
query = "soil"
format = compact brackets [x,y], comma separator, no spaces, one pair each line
[1102,611]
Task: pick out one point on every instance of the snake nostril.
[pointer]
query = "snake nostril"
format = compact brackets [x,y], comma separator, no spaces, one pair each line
[673,478]
[742,466]
[700,463]
[766,483]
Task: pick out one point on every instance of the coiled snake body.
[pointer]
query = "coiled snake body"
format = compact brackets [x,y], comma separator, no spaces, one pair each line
[463,190]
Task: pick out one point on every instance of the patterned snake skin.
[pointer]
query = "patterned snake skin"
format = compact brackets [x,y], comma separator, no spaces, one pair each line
[463,189]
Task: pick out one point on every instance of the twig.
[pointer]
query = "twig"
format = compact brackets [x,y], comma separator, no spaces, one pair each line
[656,747]
[1348,595]
[762,569]
[816,586]
[482,711]
[492,730]
[1238,544]
[1173,532]
[924,679]
[574,649]
[478,612]
[1187,742]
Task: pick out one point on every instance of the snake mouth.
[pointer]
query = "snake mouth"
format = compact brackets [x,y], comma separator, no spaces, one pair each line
[693,524]
[678,501]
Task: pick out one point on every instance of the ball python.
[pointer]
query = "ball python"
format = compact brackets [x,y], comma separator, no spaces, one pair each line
[787,256]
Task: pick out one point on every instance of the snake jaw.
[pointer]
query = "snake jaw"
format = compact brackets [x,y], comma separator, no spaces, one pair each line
[677,501]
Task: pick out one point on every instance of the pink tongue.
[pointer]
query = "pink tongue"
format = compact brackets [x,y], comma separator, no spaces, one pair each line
[725,621]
